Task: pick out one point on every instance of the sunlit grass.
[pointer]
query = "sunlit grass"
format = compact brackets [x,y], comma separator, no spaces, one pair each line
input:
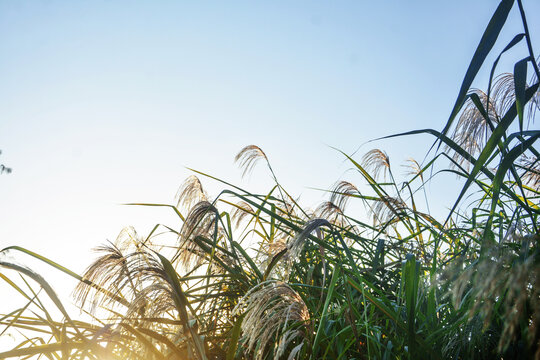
[258,276]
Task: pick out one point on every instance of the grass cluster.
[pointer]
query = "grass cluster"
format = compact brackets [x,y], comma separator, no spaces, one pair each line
[256,276]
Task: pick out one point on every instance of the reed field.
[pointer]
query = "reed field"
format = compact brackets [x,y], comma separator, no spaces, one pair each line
[258,276]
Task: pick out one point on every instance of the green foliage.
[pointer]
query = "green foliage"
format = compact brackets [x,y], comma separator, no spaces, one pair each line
[253,276]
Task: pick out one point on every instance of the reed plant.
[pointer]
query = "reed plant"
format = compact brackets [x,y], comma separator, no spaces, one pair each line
[257,276]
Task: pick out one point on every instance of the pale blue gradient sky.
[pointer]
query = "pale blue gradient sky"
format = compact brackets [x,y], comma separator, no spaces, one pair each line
[105,102]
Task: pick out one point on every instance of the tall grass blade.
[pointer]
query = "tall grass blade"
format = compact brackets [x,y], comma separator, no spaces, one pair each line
[181,305]
[520,84]
[329,297]
[487,42]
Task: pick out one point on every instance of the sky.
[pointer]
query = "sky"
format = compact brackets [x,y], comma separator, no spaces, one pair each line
[104,103]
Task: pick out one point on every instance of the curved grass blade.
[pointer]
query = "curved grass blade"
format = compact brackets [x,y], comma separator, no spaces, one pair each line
[235,336]
[520,84]
[329,297]
[510,45]
[48,349]
[505,164]
[67,271]
[181,304]
[45,285]
[487,42]
[411,277]
[160,205]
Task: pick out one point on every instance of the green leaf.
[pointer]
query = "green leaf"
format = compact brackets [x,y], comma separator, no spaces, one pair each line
[410,278]
[510,45]
[378,259]
[54,347]
[67,271]
[484,48]
[391,314]
[491,144]
[507,161]
[235,335]
[322,321]
[182,303]
[520,84]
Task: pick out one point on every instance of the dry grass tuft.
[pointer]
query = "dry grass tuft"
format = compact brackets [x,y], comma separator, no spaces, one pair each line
[376,161]
[330,211]
[191,192]
[201,221]
[531,176]
[504,279]
[341,193]
[113,270]
[386,208]
[505,95]
[473,129]
[414,168]
[240,212]
[248,157]
[276,319]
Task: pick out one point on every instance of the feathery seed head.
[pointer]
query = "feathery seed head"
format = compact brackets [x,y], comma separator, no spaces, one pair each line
[296,244]
[388,207]
[240,212]
[531,176]
[414,168]
[276,317]
[248,157]
[341,194]
[376,161]
[472,129]
[190,192]
[330,211]
[202,220]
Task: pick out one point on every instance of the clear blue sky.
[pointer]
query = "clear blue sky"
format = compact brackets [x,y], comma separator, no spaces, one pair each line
[106,102]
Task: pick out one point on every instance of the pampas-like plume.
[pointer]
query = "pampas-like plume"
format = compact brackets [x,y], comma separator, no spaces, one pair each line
[202,220]
[241,210]
[286,208]
[330,211]
[375,161]
[156,296]
[275,247]
[387,207]
[191,192]
[472,129]
[341,194]
[327,210]
[146,290]
[414,168]
[276,318]
[531,177]
[504,94]
[296,244]
[111,271]
[269,251]
[248,157]
[293,247]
